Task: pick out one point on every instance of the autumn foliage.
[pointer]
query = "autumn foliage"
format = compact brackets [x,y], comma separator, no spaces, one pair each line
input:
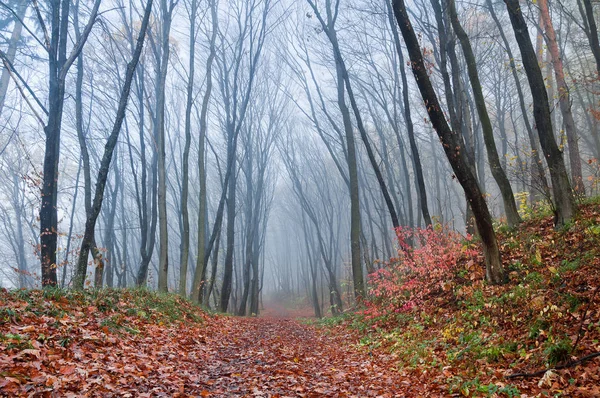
[427,260]
[449,329]
[431,327]
[135,343]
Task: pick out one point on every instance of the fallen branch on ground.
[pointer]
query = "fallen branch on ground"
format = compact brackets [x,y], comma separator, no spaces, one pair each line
[559,367]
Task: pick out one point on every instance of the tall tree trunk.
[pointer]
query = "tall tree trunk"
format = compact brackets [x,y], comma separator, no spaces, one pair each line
[510,206]
[48,210]
[418,168]
[58,65]
[249,218]
[166,11]
[110,231]
[453,146]
[561,188]
[203,254]
[230,246]
[592,32]
[538,174]
[98,261]
[357,271]
[185,235]
[147,217]
[564,99]
[255,282]
[18,206]
[88,236]
[215,263]
[70,234]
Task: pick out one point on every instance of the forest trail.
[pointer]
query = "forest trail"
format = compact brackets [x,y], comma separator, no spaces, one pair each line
[135,343]
[282,357]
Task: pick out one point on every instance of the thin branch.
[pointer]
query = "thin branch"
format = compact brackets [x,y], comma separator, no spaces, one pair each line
[11,69]
[83,38]
[23,94]
[569,364]
[3,4]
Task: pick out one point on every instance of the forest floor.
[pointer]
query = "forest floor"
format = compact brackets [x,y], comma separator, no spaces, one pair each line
[465,338]
[538,335]
[136,343]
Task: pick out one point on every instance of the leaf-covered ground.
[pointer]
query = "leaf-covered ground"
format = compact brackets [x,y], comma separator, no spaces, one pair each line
[465,338]
[136,343]
[468,338]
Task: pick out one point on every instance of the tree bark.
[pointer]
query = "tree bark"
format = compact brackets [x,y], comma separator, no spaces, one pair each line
[418,167]
[58,65]
[11,53]
[454,148]
[538,174]
[90,223]
[357,272]
[561,188]
[98,260]
[203,254]
[163,262]
[510,207]
[593,32]
[564,99]
[185,235]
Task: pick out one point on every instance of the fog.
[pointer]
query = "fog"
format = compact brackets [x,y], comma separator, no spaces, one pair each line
[264,150]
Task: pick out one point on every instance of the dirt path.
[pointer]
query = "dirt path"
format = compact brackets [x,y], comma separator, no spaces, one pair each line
[84,352]
[278,357]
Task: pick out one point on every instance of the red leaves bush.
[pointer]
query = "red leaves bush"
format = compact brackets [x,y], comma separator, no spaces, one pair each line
[428,259]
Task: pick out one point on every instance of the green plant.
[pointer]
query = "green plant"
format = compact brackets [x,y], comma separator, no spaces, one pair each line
[7,315]
[568,266]
[534,278]
[54,293]
[492,354]
[574,301]
[558,351]
[516,265]
[16,341]
[538,325]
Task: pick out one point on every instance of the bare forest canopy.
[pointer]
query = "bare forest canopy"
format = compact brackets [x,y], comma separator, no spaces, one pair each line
[240,151]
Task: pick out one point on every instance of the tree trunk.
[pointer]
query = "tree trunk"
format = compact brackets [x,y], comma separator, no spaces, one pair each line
[564,99]
[593,32]
[357,271]
[203,255]
[163,262]
[48,210]
[230,246]
[538,175]
[510,207]
[11,53]
[454,148]
[90,223]
[420,180]
[98,261]
[70,234]
[58,65]
[561,188]
[185,235]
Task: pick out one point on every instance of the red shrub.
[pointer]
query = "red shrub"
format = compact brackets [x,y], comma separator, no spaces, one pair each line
[427,261]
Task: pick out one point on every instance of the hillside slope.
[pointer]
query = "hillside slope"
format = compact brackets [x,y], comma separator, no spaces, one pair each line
[460,336]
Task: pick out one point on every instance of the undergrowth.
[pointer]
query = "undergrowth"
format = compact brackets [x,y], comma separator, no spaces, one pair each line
[432,310]
[117,310]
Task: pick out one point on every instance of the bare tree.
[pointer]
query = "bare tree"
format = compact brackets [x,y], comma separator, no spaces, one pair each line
[55,41]
[561,188]
[90,224]
[510,206]
[454,148]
